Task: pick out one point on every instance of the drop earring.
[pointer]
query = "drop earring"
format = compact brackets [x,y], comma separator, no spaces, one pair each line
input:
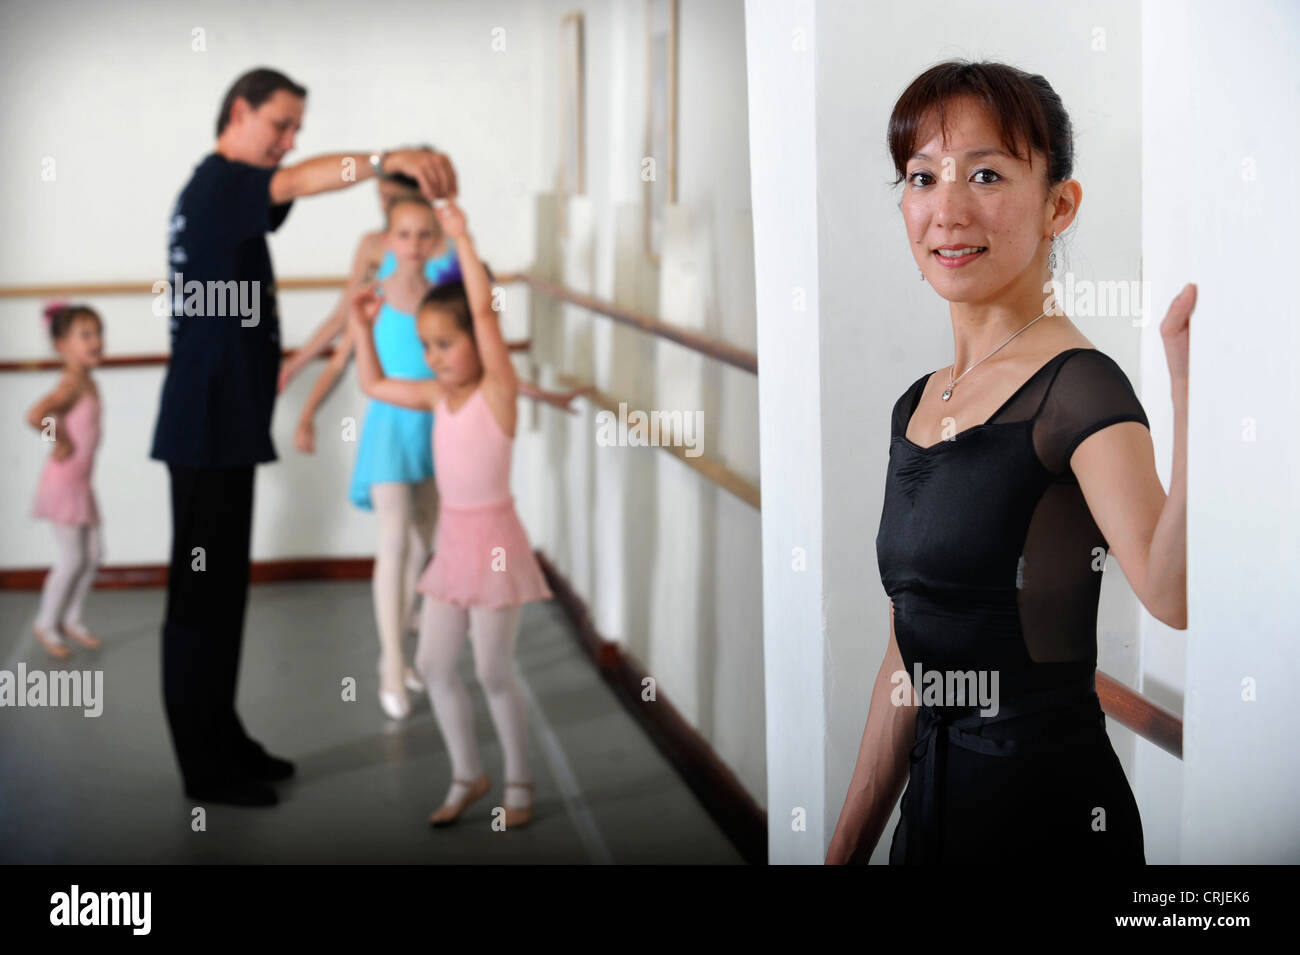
[1051,256]
[922,271]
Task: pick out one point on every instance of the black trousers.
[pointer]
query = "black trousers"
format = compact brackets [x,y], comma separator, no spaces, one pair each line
[203,630]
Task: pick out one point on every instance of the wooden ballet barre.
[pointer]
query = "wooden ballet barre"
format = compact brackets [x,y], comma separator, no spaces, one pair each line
[79,290]
[713,470]
[729,354]
[137,361]
[1149,720]
[720,350]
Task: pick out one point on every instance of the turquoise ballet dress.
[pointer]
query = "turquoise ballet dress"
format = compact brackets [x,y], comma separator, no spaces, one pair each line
[396,442]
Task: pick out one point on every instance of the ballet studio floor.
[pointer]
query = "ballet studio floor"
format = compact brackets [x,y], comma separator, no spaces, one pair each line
[105,789]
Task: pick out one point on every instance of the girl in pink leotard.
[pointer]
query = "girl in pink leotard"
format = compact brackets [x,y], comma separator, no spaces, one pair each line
[483,569]
[68,418]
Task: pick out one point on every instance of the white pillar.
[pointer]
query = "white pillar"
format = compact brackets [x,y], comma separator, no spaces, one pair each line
[783,177]
[1220,204]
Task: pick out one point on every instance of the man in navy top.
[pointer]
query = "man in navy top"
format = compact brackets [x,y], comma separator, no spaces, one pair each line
[214,419]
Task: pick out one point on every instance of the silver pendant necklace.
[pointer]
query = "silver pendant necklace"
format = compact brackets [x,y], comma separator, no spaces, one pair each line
[953,382]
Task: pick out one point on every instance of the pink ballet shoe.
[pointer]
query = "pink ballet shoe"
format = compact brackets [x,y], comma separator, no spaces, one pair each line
[447,813]
[412,680]
[54,648]
[518,818]
[83,636]
[395,705]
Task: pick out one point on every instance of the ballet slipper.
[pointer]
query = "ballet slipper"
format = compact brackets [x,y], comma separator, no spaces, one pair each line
[447,813]
[83,636]
[395,705]
[518,818]
[412,680]
[54,648]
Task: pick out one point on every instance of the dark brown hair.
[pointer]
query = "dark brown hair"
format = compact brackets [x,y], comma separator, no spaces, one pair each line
[1023,105]
[257,86]
[451,297]
[60,318]
[400,179]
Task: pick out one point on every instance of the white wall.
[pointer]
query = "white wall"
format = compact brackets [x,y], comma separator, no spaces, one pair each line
[1220,202]
[782,109]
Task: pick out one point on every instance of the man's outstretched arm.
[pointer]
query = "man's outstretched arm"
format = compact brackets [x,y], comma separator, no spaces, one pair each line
[432,170]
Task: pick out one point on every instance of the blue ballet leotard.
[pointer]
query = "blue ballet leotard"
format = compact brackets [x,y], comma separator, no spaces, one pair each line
[437,270]
[396,442]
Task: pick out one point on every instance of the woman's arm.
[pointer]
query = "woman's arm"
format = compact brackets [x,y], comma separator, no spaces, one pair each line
[363,261]
[882,767]
[421,394]
[1145,528]
[1166,568]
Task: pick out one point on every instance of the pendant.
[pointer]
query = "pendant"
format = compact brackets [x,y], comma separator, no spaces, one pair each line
[947,393]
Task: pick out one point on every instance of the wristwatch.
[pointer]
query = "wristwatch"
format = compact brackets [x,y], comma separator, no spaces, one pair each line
[377,163]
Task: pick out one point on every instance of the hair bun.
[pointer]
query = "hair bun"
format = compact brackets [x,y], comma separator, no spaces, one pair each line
[53,309]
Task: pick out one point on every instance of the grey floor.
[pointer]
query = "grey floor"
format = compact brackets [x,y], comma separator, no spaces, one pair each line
[75,789]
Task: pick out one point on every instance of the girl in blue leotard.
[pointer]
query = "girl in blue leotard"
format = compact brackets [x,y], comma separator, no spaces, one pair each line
[395,444]
[393,472]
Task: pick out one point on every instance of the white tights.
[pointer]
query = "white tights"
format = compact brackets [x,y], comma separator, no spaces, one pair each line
[70,578]
[407,514]
[493,632]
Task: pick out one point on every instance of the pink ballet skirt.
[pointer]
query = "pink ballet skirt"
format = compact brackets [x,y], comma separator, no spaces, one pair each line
[63,493]
[482,557]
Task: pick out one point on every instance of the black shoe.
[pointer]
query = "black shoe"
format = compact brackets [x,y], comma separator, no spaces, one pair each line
[260,764]
[269,768]
[234,792]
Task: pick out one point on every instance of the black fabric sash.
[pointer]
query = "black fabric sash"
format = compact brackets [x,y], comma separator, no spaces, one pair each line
[921,832]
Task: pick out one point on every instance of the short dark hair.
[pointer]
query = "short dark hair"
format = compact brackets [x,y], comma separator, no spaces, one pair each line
[1023,105]
[450,296]
[62,317]
[401,179]
[256,86]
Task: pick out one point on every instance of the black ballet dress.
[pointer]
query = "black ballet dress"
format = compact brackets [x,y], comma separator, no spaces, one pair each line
[993,563]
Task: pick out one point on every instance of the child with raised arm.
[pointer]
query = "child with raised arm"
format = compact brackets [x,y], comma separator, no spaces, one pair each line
[69,416]
[483,569]
[393,471]
[393,474]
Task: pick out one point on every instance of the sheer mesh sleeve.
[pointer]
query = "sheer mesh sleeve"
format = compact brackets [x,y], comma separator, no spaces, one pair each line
[904,406]
[1090,392]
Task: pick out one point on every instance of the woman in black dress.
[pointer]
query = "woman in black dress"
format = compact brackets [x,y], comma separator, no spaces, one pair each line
[1011,475]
